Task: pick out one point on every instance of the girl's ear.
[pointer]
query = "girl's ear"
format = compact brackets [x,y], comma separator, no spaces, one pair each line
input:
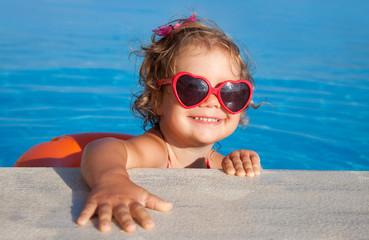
[158,110]
[156,104]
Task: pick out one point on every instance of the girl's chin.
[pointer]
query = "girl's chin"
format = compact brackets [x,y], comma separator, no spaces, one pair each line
[207,137]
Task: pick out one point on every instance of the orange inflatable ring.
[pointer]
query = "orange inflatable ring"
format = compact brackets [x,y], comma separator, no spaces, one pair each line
[63,151]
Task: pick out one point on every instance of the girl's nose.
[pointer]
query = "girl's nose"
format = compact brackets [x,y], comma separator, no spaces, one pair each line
[212,101]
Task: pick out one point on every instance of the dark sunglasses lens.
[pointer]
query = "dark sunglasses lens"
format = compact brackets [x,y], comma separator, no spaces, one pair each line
[235,95]
[191,90]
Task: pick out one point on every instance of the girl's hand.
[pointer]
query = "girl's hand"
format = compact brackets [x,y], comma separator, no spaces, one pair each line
[242,163]
[119,197]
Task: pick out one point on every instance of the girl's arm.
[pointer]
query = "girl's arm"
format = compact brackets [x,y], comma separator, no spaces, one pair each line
[104,167]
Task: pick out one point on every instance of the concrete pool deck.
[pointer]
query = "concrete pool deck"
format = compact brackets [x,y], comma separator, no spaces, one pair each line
[43,203]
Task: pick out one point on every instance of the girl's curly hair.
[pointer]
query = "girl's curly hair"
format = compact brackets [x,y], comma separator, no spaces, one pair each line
[159,60]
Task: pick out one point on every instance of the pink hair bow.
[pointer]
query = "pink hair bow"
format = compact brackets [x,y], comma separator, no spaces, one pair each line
[166,29]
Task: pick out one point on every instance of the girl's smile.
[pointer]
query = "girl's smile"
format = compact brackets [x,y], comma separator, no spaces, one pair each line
[206,120]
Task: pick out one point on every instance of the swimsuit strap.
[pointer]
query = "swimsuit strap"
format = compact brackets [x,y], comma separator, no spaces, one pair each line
[169,165]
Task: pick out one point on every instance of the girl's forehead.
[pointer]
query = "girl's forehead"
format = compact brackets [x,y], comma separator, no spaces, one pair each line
[200,60]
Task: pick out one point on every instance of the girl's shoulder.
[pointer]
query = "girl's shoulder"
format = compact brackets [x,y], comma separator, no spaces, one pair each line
[148,150]
[150,138]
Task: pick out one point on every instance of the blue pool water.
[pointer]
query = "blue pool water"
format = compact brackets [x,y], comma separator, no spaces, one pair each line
[64,69]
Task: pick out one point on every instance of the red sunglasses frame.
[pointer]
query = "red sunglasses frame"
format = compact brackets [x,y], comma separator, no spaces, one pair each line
[212,90]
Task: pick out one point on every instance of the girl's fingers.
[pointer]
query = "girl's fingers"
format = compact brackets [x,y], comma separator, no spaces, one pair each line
[242,163]
[232,165]
[124,218]
[158,204]
[238,165]
[251,163]
[256,164]
[105,214]
[247,165]
[142,216]
[228,166]
[123,214]
[137,211]
[87,212]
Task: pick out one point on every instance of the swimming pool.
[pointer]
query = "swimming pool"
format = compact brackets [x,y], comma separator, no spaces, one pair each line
[64,68]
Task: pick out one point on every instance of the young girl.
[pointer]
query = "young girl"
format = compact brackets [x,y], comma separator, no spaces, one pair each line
[196,88]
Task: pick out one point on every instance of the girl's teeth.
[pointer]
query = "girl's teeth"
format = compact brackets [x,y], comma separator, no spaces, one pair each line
[206,119]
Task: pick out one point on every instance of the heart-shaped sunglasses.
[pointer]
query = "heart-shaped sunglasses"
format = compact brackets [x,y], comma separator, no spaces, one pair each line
[191,91]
